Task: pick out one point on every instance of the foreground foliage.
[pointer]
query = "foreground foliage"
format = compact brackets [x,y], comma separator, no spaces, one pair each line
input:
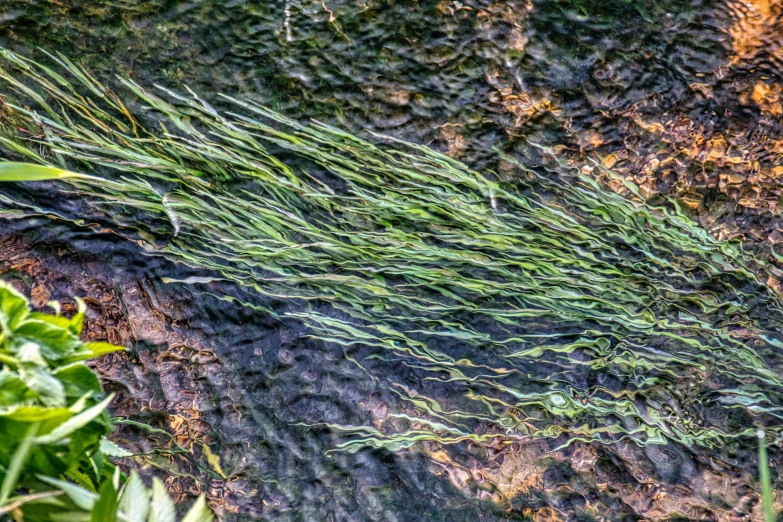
[54,462]
[537,306]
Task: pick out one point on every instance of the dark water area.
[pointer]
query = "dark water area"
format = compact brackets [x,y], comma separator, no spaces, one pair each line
[475,75]
[222,376]
[682,98]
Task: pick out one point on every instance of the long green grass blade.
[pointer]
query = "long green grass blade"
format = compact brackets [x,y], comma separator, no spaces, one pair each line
[767,499]
[14,171]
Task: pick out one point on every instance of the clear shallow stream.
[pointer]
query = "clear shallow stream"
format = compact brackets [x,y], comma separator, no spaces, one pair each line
[682,99]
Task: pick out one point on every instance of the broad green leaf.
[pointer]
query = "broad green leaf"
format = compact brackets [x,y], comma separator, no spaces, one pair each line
[56,320]
[49,389]
[135,499]
[81,497]
[110,449]
[73,325]
[31,353]
[77,380]
[35,413]
[13,308]
[105,508]
[74,423]
[92,350]
[162,507]
[199,512]
[13,390]
[56,343]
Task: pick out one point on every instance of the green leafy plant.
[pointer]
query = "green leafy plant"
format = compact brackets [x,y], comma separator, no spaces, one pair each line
[133,502]
[50,401]
[53,425]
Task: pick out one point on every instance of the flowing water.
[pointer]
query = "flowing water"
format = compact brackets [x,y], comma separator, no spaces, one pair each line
[627,408]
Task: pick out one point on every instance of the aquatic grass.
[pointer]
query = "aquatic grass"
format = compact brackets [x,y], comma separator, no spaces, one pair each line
[536,305]
[11,171]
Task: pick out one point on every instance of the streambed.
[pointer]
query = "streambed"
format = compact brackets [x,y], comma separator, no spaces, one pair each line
[467,79]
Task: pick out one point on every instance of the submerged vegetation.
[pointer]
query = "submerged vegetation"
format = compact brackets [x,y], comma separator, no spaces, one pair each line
[54,455]
[533,304]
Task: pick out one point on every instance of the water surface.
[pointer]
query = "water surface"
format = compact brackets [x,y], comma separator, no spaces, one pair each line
[682,99]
